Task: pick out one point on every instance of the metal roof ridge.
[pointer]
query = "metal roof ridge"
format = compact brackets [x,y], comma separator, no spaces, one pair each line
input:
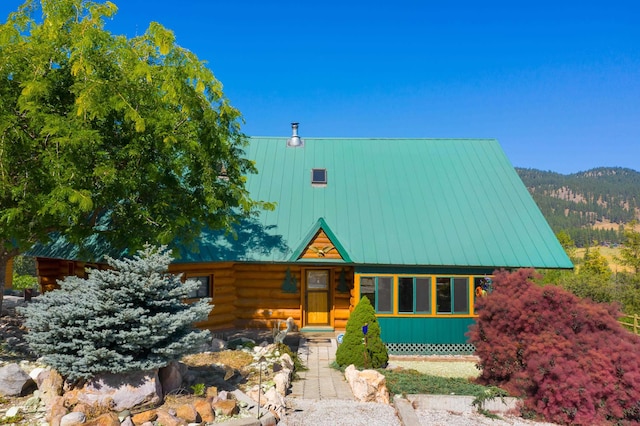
[376,138]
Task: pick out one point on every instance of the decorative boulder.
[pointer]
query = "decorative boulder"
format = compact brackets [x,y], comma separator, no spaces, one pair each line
[14,381]
[227,407]
[107,419]
[218,345]
[144,417]
[171,376]
[275,402]
[73,419]
[203,407]
[50,384]
[165,418]
[56,410]
[188,413]
[282,379]
[119,391]
[367,385]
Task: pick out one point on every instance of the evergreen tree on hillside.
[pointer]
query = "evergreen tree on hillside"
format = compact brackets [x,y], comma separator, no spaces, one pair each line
[576,202]
[128,318]
[630,251]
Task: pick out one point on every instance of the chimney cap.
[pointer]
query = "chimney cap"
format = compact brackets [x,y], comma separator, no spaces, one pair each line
[295,140]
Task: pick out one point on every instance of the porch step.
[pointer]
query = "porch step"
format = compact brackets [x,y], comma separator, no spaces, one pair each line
[317,329]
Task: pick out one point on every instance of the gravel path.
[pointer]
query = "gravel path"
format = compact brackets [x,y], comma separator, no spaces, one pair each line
[335,412]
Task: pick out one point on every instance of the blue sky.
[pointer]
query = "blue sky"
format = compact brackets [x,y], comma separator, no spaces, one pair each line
[556,82]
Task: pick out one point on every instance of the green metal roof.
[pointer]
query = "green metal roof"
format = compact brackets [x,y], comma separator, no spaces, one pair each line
[452,202]
[402,202]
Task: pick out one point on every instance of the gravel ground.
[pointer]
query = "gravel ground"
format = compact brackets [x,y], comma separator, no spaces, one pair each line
[334,412]
[304,412]
[444,418]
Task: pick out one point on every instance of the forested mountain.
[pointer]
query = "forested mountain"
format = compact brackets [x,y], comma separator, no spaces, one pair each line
[589,205]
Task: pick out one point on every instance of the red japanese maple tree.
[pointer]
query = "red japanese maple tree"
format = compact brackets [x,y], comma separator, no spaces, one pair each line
[569,358]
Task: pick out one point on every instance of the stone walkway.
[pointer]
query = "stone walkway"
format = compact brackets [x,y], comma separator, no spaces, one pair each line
[320,381]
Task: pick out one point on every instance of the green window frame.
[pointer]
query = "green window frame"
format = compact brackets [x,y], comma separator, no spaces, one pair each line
[414,295]
[452,295]
[379,291]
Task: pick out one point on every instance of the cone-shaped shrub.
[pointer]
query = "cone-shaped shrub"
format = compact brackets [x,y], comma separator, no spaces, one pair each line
[353,350]
[128,318]
[568,357]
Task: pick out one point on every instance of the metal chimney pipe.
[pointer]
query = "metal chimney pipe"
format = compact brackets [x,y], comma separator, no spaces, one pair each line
[295,140]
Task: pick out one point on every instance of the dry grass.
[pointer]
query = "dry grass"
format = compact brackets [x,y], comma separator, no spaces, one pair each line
[440,368]
[609,253]
[234,359]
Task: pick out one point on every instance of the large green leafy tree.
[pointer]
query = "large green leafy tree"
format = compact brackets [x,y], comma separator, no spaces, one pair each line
[130,139]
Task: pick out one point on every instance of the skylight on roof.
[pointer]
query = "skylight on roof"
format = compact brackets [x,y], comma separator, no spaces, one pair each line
[318,176]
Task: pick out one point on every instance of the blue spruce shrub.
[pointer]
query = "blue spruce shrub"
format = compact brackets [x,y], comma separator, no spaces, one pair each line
[128,318]
[352,350]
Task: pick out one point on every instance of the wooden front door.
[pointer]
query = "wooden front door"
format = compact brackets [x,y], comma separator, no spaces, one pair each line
[317,295]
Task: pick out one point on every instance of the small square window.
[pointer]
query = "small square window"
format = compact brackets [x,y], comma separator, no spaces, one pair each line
[318,176]
[203,289]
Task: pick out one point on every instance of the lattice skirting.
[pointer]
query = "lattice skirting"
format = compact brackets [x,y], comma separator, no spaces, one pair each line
[430,348]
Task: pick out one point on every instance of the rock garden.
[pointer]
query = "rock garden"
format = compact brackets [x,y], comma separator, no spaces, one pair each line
[120,347]
[227,381]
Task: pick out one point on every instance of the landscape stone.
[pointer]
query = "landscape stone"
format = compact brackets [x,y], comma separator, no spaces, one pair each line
[31,405]
[127,422]
[282,380]
[73,419]
[50,384]
[167,419]
[35,373]
[14,381]
[286,361]
[269,419]
[226,407]
[275,402]
[119,391]
[187,412]
[123,415]
[144,417]
[256,394]
[108,419]
[212,392]
[55,410]
[203,407]
[82,408]
[367,385]
[171,376]
[13,411]
[218,345]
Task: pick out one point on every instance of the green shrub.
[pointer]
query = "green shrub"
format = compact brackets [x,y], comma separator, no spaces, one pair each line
[132,317]
[353,349]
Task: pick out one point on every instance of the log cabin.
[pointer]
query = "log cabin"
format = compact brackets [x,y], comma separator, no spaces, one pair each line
[415,225]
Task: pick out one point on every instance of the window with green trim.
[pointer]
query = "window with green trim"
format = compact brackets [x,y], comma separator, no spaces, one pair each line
[379,291]
[452,295]
[414,295]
